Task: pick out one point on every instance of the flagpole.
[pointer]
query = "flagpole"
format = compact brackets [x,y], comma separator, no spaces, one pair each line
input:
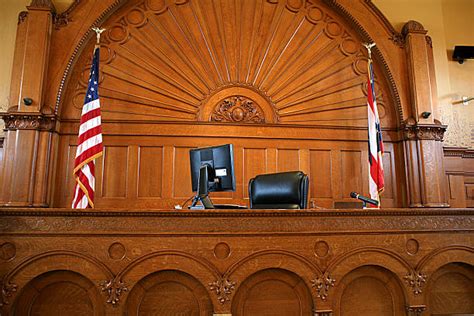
[90,145]
[376,177]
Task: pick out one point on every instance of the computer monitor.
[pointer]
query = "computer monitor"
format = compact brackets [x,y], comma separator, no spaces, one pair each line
[212,169]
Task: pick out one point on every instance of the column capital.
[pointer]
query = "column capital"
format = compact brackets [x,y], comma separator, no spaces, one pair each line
[415,131]
[413,27]
[29,121]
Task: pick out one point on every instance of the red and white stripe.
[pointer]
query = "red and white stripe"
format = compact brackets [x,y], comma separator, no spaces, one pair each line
[89,147]
[376,176]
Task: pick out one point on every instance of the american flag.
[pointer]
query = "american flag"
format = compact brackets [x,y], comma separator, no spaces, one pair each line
[376,181]
[89,145]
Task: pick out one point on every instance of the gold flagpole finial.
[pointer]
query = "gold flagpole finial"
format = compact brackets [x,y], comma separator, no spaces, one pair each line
[98,31]
[369,48]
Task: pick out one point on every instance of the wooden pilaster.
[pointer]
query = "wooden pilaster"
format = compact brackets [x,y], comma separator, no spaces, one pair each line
[423,133]
[29,123]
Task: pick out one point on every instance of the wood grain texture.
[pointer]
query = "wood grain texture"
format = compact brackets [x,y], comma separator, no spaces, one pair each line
[122,262]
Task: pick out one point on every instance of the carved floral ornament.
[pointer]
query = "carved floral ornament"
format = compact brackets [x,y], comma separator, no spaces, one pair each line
[237,109]
[424,131]
[223,287]
[114,289]
[416,280]
[323,283]
[7,291]
[19,121]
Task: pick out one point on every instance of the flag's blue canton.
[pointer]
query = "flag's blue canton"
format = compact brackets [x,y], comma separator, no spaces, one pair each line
[93,85]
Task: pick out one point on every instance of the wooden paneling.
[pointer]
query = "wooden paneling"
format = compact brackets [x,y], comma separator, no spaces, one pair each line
[115,172]
[155,171]
[200,262]
[321,174]
[351,171]
[150,171]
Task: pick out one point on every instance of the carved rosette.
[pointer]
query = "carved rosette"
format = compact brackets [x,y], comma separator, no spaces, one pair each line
[237,109]
[415,310]
[223,287]
[415,280]
[18,121]
[322,283]
[7,291]
[114,289]
[425,132]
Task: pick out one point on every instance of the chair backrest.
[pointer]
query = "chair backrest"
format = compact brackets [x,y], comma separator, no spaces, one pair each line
[283,190]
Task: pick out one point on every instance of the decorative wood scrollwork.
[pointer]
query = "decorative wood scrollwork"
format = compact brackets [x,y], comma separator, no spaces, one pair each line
[223,287]
[416,280]
[22,16]
[16,121]
[238,109]
[322,283]
[114,289]
[8,289]
[415,310]
[415,131]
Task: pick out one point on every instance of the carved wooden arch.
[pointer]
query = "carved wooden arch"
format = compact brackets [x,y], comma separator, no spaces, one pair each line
[201,269]
[268,282]
[42,294]
[27,270]
[391,261]
[452,277]
[381,275]
[169,99]
[445,255]
[177,293]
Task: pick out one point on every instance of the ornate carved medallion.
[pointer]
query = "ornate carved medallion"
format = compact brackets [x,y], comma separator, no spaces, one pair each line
[237,109]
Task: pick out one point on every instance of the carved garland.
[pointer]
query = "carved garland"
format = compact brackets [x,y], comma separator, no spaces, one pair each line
[20,121]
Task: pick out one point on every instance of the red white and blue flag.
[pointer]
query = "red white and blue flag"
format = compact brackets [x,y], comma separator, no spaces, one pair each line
[89,145]
[376,180]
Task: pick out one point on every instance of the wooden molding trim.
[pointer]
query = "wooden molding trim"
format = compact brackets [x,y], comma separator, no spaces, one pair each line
[462,152]
[79,47]
[35,121]
[361,30]
[424,131]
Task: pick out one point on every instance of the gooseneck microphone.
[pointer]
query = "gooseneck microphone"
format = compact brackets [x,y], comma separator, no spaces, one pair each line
[364,199]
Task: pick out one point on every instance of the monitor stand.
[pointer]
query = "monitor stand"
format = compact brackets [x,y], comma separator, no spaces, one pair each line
[202,195]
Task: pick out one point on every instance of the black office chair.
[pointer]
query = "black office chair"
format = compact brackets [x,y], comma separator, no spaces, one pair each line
[283,190]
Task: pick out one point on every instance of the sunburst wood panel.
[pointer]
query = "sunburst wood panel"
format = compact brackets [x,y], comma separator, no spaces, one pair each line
[166,61]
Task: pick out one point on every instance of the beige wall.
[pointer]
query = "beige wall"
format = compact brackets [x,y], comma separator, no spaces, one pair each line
[9,10]
[449,23]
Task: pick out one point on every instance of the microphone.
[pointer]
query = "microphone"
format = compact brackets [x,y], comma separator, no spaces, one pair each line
[364,199]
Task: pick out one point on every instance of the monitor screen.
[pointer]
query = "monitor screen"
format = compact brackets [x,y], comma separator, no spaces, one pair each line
[219,162]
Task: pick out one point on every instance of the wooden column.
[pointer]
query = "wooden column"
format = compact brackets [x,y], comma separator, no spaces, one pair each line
[29,124]
[427,184]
